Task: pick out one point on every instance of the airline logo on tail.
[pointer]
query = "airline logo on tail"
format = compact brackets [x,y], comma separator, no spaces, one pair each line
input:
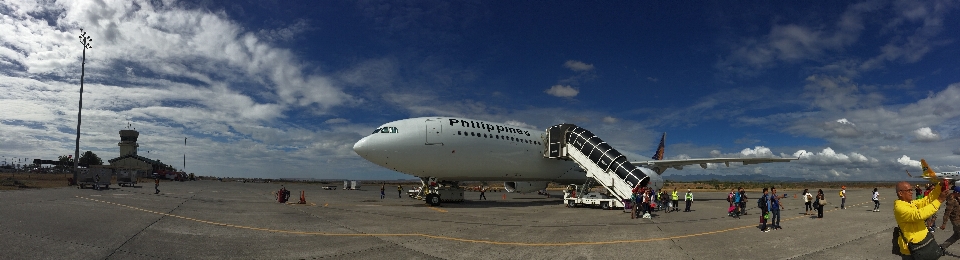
[927,172]
[659,154]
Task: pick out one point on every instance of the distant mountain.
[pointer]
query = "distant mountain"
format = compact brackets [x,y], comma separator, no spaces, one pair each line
[732,178]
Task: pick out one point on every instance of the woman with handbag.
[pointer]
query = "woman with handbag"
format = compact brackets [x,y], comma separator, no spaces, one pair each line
[819,202]
[916,241]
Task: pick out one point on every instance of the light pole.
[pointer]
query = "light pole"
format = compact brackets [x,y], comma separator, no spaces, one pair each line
[85,40]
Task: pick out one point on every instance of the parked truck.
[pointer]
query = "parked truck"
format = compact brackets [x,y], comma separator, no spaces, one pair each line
[127,177]
[573,198]
[89,177]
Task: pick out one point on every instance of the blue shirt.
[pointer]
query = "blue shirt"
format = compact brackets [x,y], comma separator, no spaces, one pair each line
[736,197]
[773,203]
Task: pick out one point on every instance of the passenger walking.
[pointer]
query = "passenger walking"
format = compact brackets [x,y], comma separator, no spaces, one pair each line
[775,208]
[483,192]
[910,215]
[730,197]
[743,201]
[646,203]
[876,200]
[400,191]
[156,185]
[676,199]
[932,221]
[843,197]
[737,198]
[807,201]
[689,199]
[764,209]
[665,203]
[383,188]
[819,202]
[918,191]
[635,200]
[953,214]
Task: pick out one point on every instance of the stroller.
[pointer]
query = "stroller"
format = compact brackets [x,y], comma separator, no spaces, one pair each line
[733,212]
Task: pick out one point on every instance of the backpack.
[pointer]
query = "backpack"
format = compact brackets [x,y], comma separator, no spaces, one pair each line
[896,238]
[762,202]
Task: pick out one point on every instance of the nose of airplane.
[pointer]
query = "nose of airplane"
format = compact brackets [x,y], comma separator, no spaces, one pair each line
[361,147]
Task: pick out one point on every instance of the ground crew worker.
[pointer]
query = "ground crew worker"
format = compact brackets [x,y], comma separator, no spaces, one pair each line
[676,199]
[156,185]
[843,197]
[689,198]
[399,191]
[483,190]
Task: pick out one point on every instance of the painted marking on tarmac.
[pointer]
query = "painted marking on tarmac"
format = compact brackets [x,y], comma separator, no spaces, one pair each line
[438,209]
[490,242]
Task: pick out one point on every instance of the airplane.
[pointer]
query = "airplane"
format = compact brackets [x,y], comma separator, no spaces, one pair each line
[443,151]
[934,176]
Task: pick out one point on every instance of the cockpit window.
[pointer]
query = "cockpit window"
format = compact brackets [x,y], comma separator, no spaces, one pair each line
[386,129]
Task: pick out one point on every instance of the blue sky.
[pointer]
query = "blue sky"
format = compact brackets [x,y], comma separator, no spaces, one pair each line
[859,90]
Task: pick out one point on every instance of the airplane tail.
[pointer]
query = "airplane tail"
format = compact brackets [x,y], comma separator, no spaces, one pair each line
[659,154]
[927,172]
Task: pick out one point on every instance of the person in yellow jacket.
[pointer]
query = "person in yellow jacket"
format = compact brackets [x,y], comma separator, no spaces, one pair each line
[675,199]
[911,215]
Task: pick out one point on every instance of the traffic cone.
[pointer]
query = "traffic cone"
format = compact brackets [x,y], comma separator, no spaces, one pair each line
[794,195]
[504,196]
[303,200]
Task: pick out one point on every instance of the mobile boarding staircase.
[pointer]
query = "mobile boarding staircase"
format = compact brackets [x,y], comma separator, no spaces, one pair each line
[602,163]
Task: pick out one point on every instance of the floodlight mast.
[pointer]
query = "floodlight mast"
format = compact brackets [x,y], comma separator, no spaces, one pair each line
[85,40]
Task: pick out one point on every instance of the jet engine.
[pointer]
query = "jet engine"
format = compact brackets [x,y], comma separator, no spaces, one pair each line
[524,186]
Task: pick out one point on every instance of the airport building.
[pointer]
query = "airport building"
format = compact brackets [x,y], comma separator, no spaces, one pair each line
[128,156]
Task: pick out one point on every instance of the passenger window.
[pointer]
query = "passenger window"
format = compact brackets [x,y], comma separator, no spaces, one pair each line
[471,133]
[458,133]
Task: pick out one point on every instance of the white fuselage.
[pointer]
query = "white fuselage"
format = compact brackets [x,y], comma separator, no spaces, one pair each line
[459,149]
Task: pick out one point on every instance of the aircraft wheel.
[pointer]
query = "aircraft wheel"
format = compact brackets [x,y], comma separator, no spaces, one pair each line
[433,199]
[571,204]
[605,205]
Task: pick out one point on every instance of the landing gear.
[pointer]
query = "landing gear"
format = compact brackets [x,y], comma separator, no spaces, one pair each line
[434,192]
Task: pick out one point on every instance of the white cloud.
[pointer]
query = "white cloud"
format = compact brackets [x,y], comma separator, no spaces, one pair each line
[610,120]
[925,134]
[845,121]
[758,151]
[578,66]
[562,91]
[830,157]
[906,161]
[336,121]
[889,148]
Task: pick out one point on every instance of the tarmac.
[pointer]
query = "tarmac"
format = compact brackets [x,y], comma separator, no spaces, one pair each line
[232,220]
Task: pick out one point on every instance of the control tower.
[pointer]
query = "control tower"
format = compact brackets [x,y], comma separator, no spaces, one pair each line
[128,142]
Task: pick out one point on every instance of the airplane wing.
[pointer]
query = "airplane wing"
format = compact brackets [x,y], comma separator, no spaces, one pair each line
[662,165]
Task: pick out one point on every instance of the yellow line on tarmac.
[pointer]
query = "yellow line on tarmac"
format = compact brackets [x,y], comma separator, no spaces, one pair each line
[438,209]
[436,236]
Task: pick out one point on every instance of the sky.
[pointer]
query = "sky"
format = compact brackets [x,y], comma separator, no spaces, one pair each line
[283,89]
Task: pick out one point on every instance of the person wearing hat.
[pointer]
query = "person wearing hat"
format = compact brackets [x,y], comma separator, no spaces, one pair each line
[953,214]
[689,199]
[843,197]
